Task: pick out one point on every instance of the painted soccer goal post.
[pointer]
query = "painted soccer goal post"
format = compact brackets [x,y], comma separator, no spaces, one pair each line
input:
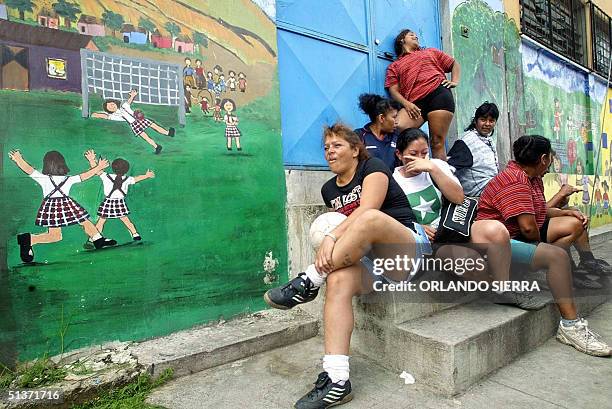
[113,76]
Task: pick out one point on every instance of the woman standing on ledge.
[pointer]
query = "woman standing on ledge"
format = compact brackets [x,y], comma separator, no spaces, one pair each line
[417,80]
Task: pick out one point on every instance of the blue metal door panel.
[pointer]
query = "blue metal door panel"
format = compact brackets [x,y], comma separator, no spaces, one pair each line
[315,92]
[330,51]
[343,19]
[392,16]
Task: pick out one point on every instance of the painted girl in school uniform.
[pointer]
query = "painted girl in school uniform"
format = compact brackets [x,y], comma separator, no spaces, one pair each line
[231,124]
[117,111]
[57,209]
[115,189]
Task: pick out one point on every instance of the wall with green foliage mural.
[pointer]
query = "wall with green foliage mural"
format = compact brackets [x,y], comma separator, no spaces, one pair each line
[187,93]
[537,93]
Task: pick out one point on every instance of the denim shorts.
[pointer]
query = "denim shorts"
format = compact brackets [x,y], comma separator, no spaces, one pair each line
[422,248]
[522,253]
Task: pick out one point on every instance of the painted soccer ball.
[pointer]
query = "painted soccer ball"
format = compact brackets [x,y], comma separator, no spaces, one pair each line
[324,224]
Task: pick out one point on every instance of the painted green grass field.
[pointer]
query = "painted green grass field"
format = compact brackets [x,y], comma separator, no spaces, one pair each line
[207,220]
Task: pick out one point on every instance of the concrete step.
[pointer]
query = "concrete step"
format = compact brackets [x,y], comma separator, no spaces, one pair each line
[453,349]
[460,340]
[201,348]
[551,377]
[382,308]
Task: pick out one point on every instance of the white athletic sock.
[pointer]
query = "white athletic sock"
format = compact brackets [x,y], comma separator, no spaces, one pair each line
[337,367]
[316,278]
[96,237]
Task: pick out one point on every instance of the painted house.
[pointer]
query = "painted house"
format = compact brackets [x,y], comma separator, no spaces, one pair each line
[159,41]
[40,57]
[133,35]
[183,44]
[90,25]
[3,12]
[48,19]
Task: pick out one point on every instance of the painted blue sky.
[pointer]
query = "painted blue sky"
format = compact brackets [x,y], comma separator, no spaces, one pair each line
[541,65]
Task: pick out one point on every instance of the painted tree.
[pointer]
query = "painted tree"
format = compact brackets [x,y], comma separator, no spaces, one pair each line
[173,29]
[148,25]
[200,39]
[112,20]
[67,10]
[21,5]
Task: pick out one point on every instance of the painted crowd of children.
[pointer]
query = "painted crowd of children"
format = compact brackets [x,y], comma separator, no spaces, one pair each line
[216,84]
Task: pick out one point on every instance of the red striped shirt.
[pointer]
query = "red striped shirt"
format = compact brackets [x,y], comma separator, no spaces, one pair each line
[512,193]
[419,72]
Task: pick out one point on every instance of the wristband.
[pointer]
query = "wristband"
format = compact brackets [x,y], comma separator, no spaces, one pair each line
[330,235]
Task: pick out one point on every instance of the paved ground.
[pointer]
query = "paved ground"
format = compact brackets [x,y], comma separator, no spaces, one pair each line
[552,376]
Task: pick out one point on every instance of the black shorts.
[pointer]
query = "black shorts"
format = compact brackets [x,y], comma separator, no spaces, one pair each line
[543,234]
[440,98]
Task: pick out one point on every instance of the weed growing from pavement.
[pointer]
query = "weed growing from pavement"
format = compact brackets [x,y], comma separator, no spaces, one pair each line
[130,396]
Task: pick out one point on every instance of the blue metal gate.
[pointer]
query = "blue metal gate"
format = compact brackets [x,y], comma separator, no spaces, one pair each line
[329,52]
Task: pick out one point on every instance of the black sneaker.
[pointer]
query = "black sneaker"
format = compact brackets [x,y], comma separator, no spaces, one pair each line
[136,237]
[596,266]
[297,291]
[25,247]
[171,132]
[325,394]
[158,149]
[104,242]
[582,279]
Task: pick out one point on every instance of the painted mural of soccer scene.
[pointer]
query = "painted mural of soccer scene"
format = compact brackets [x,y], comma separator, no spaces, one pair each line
[137,140]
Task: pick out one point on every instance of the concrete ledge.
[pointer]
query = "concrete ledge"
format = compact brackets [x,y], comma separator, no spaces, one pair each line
[201,348]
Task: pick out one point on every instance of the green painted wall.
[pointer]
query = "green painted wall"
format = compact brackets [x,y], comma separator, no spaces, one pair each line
[208,219]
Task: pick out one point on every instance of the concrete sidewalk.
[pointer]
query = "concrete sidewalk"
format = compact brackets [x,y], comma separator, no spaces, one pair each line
[552,376]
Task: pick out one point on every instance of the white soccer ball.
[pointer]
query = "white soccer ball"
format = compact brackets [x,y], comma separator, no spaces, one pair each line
[324,224]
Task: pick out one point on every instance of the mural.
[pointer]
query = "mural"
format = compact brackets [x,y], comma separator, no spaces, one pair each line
[540,95]
[98,104]
[490,62]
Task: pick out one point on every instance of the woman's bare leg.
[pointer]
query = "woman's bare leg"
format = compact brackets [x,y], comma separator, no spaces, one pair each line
[438,121]
[496,240]
[338,317]
[558,275]
[376,231]
[567,230]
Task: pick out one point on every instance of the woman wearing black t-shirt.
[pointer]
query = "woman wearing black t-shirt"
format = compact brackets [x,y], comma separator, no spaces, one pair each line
[380,224]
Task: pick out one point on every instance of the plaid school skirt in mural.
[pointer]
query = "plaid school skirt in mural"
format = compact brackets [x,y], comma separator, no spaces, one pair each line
[232,131]
[140,125]
[113,208]
[60,212]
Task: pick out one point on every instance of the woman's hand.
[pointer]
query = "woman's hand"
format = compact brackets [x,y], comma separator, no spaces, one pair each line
[323,260]
[417,165]
[413,111]
[430,231]
[449,84]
